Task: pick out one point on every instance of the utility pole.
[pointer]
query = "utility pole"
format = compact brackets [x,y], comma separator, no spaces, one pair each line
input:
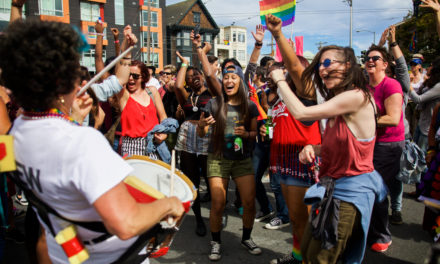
[148,31]
[350,3]
[320,44]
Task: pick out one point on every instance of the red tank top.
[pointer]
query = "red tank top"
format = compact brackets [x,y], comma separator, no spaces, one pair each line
[137,120]
[343,154]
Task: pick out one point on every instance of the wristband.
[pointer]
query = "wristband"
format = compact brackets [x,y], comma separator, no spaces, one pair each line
[430,151]
[184,65]
[393,44]
[117,41]
[99,34]
[127,58]
[199,47]
[258,44]
[16,5]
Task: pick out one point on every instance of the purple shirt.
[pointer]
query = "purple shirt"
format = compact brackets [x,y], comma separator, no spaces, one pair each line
[382,91]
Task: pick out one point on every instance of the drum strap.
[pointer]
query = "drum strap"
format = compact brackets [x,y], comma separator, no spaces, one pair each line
[44,210]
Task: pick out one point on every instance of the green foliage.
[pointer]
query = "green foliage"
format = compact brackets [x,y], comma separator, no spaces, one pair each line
[428,43]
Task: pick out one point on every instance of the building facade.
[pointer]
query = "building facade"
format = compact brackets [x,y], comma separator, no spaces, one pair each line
[114,13]
[231,42]
[181,18]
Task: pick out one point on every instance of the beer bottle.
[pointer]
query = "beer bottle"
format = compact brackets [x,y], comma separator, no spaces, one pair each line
[269,126]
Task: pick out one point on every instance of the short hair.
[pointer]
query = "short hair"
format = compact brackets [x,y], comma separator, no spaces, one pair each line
[265,60]
[170,67]
[85,74]
[233,60]
[40,61]
[212,58]
[144,71]
[383,51]
[261,71]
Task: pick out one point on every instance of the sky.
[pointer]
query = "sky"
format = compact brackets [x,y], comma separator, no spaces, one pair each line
[326,21]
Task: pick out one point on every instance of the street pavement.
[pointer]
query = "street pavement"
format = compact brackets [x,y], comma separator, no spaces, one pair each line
[410,243]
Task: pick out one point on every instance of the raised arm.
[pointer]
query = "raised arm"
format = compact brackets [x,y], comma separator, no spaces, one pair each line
[16,9]
[401,71]
[291,61]
[115,33]
[213,84]
[434,5]
[99,63]
[253,61]
[181,93]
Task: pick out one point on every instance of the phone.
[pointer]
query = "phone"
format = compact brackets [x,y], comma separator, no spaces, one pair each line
[206,112]
[196,30]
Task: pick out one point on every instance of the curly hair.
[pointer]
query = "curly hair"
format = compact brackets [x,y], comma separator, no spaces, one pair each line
[40,62]
[144,71]
[353,76]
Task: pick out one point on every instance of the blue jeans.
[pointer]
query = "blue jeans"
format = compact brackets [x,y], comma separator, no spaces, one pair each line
[260,162]
[420,139]
[282,211]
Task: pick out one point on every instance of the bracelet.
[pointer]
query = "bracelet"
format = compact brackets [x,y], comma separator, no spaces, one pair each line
[258,44]
[393,44]
[117,41]
[16,5]
[99,34]
[199,47]
[430,151]
[184,65]
[279,81]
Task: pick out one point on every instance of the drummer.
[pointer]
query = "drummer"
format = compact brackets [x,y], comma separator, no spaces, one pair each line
[71,168]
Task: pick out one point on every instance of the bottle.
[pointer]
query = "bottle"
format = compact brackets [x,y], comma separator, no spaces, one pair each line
[269,126]
[238,141]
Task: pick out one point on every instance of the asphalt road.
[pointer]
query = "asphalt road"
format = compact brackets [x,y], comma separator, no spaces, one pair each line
[410,243]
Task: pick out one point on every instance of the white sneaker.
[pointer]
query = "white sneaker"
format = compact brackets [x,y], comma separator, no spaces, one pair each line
[215,251]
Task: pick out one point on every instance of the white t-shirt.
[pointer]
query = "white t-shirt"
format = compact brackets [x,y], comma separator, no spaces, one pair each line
[69,167]
[153,82]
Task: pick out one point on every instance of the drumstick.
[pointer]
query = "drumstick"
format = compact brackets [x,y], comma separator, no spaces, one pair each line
[106,69]
[173,169]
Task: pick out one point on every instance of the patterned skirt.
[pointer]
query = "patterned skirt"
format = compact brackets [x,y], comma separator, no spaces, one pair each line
[190,142]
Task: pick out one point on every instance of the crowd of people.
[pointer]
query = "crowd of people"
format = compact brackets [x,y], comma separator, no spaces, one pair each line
[330,133]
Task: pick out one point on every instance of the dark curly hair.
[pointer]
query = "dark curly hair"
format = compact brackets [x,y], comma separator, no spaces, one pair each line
[144,71]
[40,62]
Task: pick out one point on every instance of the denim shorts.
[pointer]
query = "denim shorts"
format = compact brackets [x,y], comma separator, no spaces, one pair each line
[225,168]
[289,180]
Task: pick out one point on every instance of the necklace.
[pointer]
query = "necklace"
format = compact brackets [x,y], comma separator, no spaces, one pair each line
[52,113]
[194,104]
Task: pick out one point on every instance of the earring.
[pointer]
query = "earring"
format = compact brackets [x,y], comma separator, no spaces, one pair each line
[62,99]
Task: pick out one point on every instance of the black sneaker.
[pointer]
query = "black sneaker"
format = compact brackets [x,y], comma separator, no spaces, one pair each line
[251,246]
[13,234]
[396,218]
[215,251]
[276,223]
[260,216]
[286,259]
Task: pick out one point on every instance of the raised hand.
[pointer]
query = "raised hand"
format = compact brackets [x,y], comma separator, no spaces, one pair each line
[384,37]
[277,75]
[259,33]
[115,33]
[273,24]
[392,34]
[196,40]
[206,47]
[99,28]
[433,4]
[182,59]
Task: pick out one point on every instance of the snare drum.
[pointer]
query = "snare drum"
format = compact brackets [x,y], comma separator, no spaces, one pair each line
[149,181]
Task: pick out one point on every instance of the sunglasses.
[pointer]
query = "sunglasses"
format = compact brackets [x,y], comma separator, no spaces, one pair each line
[327,62]
[135,75]
[167,73]
[374,58]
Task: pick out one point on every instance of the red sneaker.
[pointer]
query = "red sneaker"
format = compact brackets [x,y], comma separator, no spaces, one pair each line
[380,247]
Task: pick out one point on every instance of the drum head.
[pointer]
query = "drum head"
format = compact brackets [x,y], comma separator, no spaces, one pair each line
[157,174]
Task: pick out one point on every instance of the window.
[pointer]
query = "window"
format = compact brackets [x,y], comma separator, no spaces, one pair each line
[88,59]
[92,33]
[241,37]
[154,41]
[153,3]
[196,17]
[119,12]
[5,7]
[207,37]
[51,7]
[183,39]
[234,37]
[241,56]
[234,54]
[153,20]
[154,59]
[188,58]
[89,11]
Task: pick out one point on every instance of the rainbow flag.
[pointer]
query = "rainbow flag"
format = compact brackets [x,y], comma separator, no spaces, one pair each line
[284,9]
